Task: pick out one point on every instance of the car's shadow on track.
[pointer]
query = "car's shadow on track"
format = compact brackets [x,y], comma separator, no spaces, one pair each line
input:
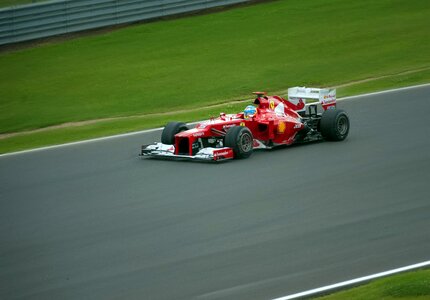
[293,146]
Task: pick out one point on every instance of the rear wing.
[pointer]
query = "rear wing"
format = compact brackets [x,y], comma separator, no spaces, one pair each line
[327,97]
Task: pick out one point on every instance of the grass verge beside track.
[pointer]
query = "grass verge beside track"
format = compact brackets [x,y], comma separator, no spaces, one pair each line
[409,286]
[24,141]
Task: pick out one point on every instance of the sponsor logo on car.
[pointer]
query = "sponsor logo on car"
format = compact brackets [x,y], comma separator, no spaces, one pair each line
[329,99]
[281,127]
[272,104]
[222,153]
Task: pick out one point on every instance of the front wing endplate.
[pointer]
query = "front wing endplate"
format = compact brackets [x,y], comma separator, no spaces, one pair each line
[164,151]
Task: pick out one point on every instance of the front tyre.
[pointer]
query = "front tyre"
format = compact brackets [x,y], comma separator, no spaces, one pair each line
[169,132]
[240,139]
[334,125]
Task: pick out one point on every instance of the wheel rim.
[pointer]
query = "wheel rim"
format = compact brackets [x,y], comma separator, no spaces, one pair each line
[342,125]
[245,142]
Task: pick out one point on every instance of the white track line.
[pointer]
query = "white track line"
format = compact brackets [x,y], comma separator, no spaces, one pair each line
[354,281]
[385,92]
[156,129]
[82,142]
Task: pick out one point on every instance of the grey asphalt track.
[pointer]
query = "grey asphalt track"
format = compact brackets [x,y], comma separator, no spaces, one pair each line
[93,221]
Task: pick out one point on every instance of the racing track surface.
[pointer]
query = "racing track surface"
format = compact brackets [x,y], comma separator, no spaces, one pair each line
[93,221]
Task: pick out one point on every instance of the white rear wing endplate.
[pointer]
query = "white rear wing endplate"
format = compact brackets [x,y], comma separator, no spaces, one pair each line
[327,97]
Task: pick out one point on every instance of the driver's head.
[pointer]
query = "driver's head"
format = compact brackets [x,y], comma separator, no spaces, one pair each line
[250,111]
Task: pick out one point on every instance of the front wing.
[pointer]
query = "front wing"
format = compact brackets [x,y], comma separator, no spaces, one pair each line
[164,151]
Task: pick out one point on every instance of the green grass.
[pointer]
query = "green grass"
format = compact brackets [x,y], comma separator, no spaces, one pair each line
[7,3]
[106,128]
[201,60]
[112,127]
[391,82]
[408,286]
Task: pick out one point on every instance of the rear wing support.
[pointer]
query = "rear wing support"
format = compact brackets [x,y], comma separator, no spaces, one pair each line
[327,97]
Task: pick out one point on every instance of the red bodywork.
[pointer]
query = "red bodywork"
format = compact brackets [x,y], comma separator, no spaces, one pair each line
[276,121]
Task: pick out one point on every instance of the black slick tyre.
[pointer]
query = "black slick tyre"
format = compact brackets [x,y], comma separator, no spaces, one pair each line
[169,132]
[334,125]
[240,139]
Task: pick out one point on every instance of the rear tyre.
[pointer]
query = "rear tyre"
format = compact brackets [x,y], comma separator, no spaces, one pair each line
[334,125]
[169,132]
[240,139]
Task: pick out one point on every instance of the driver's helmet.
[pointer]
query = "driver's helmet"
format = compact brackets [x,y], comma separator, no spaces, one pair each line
[250,111]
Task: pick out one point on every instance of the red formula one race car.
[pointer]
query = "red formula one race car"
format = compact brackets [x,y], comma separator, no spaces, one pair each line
[272,121]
